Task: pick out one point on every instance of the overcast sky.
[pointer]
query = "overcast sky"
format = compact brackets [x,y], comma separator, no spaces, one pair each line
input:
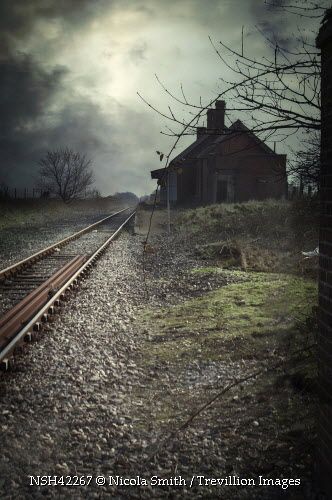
[71,69]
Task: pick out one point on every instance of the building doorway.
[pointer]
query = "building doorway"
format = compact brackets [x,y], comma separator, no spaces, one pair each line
[225,189]
[222,189]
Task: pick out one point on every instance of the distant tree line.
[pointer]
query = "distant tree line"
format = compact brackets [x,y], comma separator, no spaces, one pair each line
[126,197]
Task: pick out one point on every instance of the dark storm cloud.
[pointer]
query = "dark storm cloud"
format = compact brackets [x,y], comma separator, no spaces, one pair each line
[18,16]
[32,118]
[272,23]
[26,90]
[283,22]
[44,105]
[79,125]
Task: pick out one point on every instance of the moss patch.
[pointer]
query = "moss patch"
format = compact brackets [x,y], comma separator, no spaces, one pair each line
[239,321]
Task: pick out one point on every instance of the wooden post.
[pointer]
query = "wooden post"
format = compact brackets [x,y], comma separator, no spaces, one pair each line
[168,203]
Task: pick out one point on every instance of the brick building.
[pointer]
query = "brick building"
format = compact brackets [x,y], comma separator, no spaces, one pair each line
[324,448]
[224,164]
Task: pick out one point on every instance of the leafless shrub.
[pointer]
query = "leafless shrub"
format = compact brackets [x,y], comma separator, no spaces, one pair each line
[305,166]
[65,173]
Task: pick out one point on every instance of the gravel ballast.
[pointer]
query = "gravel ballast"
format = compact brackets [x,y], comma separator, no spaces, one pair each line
[17,243]
[82,401]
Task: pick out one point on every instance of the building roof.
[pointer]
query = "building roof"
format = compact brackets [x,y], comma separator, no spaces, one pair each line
[206,145]
[191,152]
[194,149]
[240,126]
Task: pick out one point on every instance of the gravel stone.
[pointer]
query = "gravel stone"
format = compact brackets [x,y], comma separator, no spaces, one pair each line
[81,400]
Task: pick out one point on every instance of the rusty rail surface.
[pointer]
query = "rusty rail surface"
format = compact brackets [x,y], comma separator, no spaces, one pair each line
[25,318]
[19,315]
[10,270]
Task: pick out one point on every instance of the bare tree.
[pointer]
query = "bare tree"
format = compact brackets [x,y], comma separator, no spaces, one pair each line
[279,95]
[65,173]
[304,168]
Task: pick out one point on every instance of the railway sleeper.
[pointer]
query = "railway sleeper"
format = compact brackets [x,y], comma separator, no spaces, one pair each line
[30,335]
[44,318]
[7,363]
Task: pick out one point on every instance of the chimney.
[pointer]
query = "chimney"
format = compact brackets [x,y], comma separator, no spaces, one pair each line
[201,131]
[216,117]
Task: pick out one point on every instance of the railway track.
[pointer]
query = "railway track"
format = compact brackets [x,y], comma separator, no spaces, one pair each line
[32,290]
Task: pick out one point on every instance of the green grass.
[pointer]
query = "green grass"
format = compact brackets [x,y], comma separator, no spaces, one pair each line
[240,320]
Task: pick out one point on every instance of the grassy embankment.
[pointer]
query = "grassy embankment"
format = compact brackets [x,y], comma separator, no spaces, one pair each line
[270,309]
[20,213]
[259,236]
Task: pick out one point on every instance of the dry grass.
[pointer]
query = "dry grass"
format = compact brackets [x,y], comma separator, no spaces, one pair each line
[261,236]
[158,221]
[20,213]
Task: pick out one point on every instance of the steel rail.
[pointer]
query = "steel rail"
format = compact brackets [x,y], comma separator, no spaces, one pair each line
[10,270]
[54,281]
[20,314]
[42,314]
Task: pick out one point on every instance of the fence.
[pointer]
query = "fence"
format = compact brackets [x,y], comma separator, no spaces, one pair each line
[20,193]
[298,191]
[9,193]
